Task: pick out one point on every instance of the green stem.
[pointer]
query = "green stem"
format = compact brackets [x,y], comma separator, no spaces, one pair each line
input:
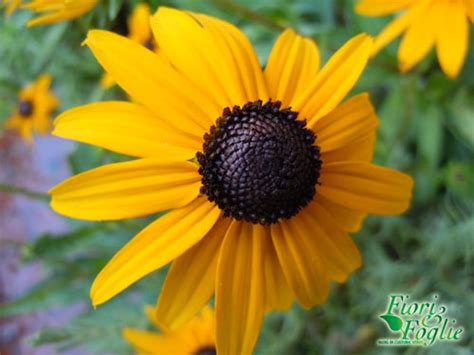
[243,11]
[24,191]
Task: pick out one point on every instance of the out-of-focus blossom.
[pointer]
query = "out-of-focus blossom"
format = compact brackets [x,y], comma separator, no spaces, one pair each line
[35,105]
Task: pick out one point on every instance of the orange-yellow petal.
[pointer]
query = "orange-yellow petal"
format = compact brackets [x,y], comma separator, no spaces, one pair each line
[126,128]
[139,23]
[11,5]
[301,263]
[161,242]
[344,218]
[124,190]
[469,5]
[348,123]
[335,80]
[292,64]
[240,298]
[51,12]
[359,150]
[278,295]
[418,40]
[214,55]
[241,58]
[452,37]
[366,188]
[397,26]
[190,281]
[151,80]
[339,252]
[153,343]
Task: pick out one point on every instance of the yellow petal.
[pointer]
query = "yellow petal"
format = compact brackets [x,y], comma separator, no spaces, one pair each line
[301,263]
[65,11]
[346,124]
[418,40]
[155,246]
[292,64]
[42,124]
[214,55]
[150,312]
[190,281]
[278,295]
[344,218]
[124,190]
[365,187]
[153,343]
[240,298]
[452,38]
[337,249]
[240,58]
[469,5]
[152,81]
[126,128]
[381,7]
[397,26]
[139,23]
[358,150]
[11,6]
[198,333]
[335,80]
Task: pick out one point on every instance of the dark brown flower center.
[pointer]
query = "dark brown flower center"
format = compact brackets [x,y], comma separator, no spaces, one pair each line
[208,350]
[25,108]
[259,163]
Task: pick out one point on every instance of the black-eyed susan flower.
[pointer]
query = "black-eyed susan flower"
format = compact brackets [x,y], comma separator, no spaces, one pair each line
[11,5]
[52,11]
[139,30]
[196,337]
[266,172]
[36,102]
[443,24]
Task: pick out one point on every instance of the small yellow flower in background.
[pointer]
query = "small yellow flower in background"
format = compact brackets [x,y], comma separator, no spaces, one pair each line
[36,103]
[263,196]
[139,30]
[196,337]
[11,5]
[443,24]
[52,11]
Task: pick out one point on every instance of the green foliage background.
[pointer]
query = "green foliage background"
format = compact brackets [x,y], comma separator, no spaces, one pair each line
[427,130]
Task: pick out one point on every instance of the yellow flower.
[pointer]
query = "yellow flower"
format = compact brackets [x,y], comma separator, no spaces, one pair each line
[11,5]
[52,11]
[262,212]
[36,102]
[139,30]
[196,337]
[427,23]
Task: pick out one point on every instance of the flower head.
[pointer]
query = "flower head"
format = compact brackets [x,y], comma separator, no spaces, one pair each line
[443,24]
[195,337]
[139,30]
[52,11]
[266,172]
[36,102]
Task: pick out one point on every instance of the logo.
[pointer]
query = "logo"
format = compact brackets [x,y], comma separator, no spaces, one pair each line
[420,323]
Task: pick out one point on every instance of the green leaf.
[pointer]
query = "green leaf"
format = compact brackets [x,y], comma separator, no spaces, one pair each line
[460,178]
[394,323]
[52,292]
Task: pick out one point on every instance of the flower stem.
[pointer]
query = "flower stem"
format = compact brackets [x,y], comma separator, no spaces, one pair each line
[24,191]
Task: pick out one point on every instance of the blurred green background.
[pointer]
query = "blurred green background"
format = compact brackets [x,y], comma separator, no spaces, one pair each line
[427,130]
